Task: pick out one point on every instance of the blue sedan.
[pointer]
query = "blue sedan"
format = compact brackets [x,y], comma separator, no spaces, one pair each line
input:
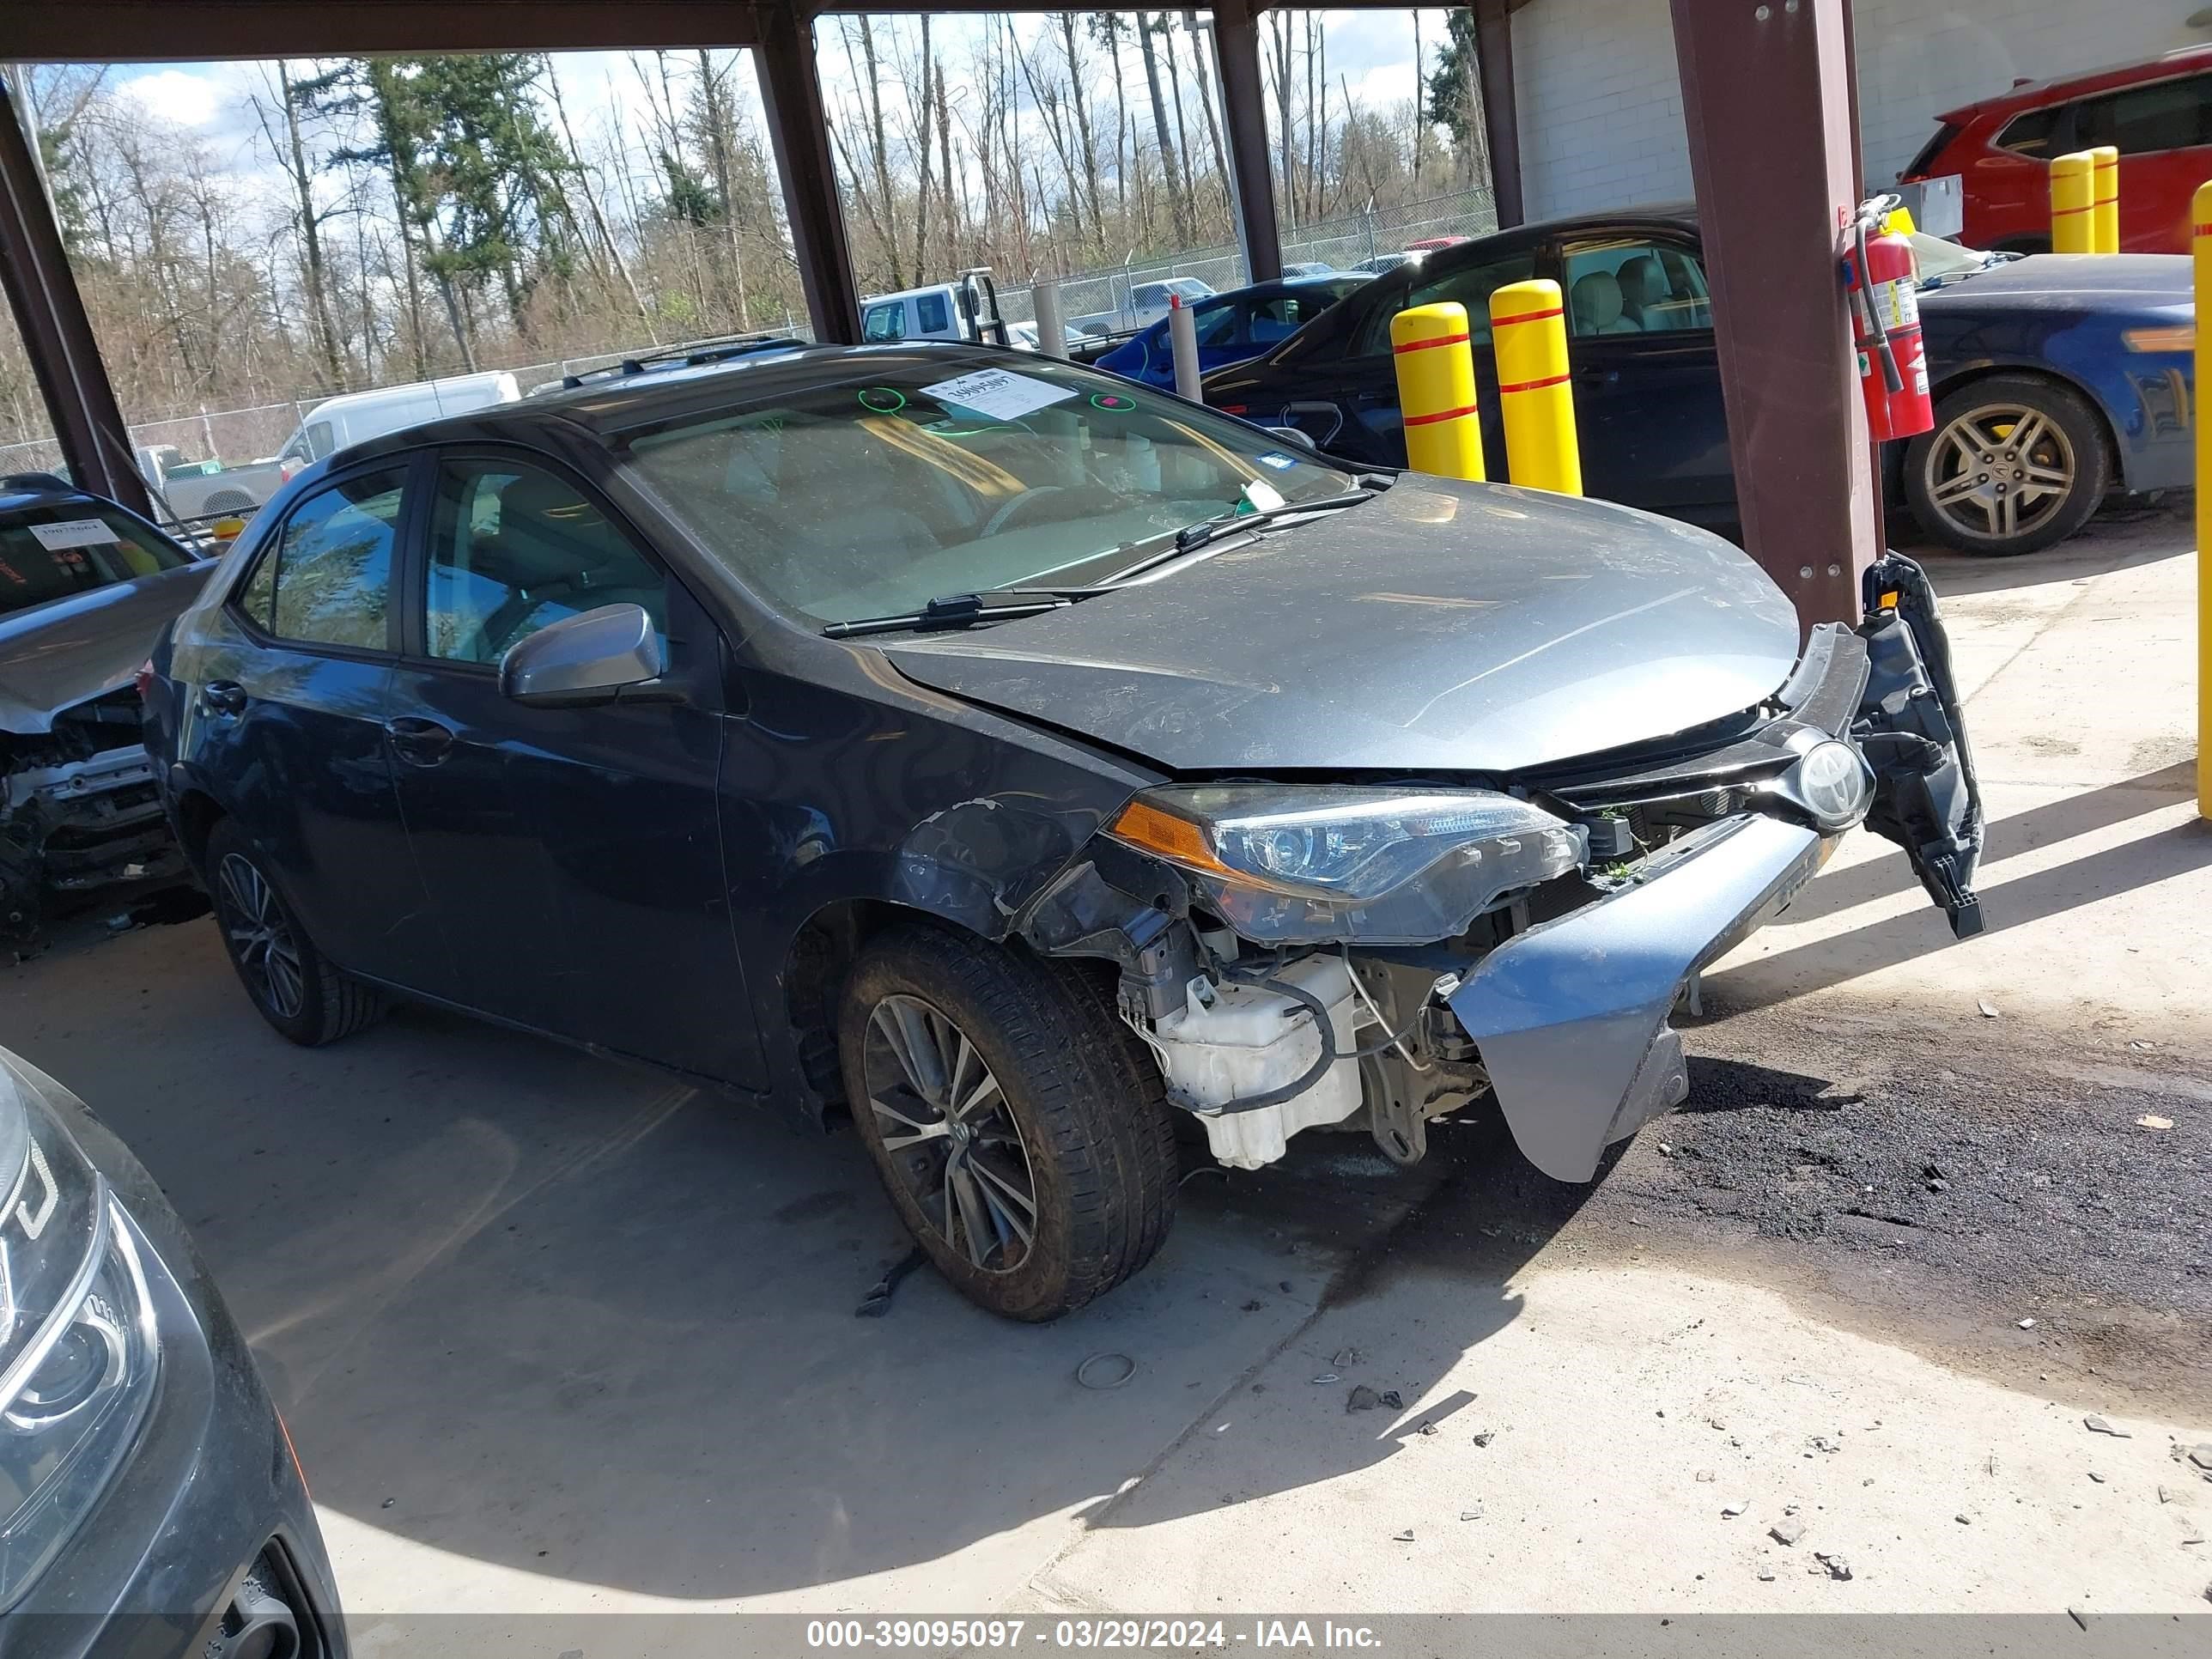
[1233,326]
[2058,378]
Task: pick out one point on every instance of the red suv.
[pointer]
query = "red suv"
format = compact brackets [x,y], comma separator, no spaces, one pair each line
[2158,114]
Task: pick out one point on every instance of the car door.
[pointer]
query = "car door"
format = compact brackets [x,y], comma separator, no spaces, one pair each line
[574,852]
[2007,184]
[1647,380]
[2163,131]
[294,722]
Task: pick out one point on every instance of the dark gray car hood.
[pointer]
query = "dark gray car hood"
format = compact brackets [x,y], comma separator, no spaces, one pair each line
[56,656]
[1442,626]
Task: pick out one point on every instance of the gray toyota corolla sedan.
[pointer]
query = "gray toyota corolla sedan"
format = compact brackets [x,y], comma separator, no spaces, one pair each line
[150,1504]
[1015,757]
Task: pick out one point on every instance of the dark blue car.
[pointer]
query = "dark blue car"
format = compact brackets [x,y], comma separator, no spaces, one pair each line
[1233,326]
[2058,378]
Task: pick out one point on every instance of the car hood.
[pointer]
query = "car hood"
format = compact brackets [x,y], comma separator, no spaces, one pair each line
[56,656]
[1439,627]
[2075,281]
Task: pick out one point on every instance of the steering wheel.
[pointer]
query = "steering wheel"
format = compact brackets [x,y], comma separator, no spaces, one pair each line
[1014,508]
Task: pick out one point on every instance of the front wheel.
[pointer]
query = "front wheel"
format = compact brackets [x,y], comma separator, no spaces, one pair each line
[2016,462]
[1022,1133]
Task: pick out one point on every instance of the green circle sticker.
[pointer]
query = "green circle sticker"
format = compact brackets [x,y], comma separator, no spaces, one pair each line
[1110,400]
[882,399]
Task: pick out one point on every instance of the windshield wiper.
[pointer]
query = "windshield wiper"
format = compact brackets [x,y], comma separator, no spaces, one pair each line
[961,609]
[1192,536]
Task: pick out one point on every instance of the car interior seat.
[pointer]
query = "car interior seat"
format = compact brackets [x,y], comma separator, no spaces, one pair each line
[1644,292]
[1596,301]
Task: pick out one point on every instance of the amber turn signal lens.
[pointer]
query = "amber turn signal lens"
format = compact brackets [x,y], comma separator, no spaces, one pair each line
[1142,825]
[2181,337]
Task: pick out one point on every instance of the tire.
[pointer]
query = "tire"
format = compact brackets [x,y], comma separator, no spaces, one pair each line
[292,984]
[1956,477]
[2023,245]
[1053,1097]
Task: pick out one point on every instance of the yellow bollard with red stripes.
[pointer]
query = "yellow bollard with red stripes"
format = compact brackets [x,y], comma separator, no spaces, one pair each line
[2073,203]
[1436,391]
[2200,243]
[2105,192]
[1529,330]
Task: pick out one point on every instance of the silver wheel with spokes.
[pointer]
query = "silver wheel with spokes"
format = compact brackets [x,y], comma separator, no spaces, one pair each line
[2016,462]
[2000,471]
[947,1131]
[261,941]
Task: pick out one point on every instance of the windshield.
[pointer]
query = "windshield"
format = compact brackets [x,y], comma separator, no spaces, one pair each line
[50,552]
[912,478]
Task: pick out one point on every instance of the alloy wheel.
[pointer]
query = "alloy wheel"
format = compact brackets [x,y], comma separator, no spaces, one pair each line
[2000,471]
[260,938]
[949,1134]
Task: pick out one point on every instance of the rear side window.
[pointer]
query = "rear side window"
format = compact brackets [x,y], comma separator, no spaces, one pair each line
[1919,166]
[2142,120]
[326,580]
[2029,133]
[936,315]
[322,438]
[48,553]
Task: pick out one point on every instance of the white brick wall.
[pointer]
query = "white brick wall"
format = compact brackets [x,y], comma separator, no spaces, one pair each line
[1602,108]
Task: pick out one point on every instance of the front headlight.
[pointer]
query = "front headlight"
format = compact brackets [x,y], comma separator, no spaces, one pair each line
[1308,866]
[78,1350]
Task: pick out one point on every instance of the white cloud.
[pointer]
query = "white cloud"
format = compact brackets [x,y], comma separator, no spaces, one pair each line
[179,96]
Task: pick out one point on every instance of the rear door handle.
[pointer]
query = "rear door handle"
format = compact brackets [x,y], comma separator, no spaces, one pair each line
[418,741]
[223,697]
[1593,376]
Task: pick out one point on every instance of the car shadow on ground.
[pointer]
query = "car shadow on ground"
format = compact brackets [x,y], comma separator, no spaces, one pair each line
[2120,538]
[529,1309]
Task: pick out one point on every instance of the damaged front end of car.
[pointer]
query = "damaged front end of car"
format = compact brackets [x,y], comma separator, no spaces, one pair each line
[1378,955]
[79,809]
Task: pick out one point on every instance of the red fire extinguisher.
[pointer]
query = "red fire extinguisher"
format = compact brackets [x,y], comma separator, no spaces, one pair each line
[1886,318]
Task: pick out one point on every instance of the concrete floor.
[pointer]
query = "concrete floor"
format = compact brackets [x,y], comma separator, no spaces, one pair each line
[555,1337]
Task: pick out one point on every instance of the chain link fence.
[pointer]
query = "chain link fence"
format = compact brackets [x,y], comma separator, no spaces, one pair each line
[1104,299]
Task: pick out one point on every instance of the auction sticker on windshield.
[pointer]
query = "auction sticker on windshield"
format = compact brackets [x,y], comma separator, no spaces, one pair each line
[74,532]
[998,394]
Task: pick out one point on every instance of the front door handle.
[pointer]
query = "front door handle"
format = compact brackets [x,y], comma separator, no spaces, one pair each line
[418,741]
[223,697]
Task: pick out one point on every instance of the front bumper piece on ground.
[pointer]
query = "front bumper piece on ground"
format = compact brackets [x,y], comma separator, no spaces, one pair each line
[1571,1016]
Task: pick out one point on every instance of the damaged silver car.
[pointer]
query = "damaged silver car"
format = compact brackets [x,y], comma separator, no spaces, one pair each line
[1013,757]
[84,588]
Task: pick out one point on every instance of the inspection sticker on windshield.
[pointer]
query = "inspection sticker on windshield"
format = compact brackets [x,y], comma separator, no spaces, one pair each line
[1276,458]
[998,394]
[74,532]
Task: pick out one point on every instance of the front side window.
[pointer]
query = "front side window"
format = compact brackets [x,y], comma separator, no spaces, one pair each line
[885,322]
[327,578]
[514,547]
[2142,120]
[1470,285]
[50,552]
[1633,285]
[872,494]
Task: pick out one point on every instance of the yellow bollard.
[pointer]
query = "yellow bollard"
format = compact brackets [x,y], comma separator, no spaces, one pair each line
[1436,391]
[1527,325]
[2105,192]
[2200,241]
[2073,203]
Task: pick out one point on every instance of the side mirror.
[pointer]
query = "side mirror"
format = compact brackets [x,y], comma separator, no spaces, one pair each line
[584,658]
[1293,434]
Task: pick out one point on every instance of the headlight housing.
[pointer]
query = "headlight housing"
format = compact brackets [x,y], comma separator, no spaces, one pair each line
[79,1353]
[1291,866]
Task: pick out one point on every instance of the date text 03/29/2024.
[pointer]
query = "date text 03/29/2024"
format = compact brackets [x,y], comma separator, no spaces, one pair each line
[1164,1635]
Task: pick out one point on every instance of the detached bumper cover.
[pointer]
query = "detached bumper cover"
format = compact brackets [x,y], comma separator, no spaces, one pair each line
[1571,1016]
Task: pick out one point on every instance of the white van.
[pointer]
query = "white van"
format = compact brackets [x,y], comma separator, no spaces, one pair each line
[355,416]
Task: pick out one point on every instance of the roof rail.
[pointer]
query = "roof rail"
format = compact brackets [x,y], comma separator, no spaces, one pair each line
[27,481]
[694,354]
